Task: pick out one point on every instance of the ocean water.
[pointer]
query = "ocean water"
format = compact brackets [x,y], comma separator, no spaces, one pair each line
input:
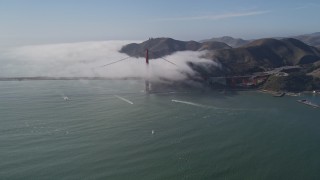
[112,130]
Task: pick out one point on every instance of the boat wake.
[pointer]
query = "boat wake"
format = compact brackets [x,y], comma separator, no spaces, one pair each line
[123,99]
[211,107]
[189,103]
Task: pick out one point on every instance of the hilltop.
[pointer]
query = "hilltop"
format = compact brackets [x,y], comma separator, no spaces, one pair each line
[160,47]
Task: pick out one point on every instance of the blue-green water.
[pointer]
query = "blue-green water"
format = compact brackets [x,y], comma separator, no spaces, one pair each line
[199,135]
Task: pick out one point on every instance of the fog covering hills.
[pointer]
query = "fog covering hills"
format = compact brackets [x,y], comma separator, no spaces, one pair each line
[190,59]
[256,56]
[160,47]
[253,56]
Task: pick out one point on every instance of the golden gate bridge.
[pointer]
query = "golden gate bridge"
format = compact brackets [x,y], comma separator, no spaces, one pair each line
[231,81]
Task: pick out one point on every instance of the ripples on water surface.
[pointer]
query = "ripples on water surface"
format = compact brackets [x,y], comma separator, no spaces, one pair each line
[182,135]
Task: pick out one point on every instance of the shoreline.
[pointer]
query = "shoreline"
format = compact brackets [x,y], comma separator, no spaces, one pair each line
[288,93]
[47,78]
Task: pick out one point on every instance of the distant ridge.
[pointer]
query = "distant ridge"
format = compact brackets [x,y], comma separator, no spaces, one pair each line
[310,39]
[233,42]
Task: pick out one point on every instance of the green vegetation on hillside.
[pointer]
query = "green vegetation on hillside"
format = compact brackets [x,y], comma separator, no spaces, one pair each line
[295,82]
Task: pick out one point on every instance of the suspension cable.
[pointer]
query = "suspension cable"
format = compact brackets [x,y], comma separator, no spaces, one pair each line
[165,59]
[115,62]
[130,57]
[168,61]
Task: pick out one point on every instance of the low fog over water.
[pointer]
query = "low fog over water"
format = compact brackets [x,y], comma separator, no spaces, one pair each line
[87,58]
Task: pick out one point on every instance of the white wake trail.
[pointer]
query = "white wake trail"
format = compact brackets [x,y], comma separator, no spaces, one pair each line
[123,99]
[211,107]
[188,103]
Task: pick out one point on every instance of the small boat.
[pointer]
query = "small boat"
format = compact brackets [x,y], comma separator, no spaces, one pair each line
[293,94]
[309,103]
[279,94]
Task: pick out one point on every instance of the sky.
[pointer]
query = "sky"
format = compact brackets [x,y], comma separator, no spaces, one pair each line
[58,21]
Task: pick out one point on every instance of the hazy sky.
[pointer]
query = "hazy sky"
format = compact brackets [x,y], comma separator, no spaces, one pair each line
[35,21]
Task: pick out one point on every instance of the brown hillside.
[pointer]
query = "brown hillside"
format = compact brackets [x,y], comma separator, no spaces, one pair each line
[267,53]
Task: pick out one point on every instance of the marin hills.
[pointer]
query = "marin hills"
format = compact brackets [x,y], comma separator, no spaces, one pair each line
[240,57]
